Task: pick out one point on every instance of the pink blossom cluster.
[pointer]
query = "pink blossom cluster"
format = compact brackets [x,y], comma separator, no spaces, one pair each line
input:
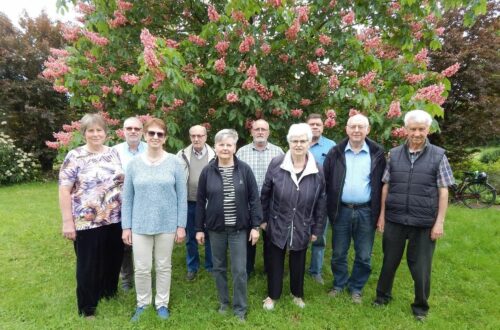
[102,70]
[54,68]
[147,21]
[421,56]
[197,40]
[74,126]
[95,38]
[451,70]
[324,39]
[84,82]
[242,67]
[274,3]
[60,89]
[63,138]
[117,90]
[211,112]
[353,112]
[348,18]
[52,145]
[293,30]
[71,33]
[393,8]
[266,49]
[150,58]
[144,118]
[124,5]
[220,65]
[98,105]
[439,31]
[120,133]
[232,97]
[130,79]
[283,58]
[332,3]
[85,8]
[431,93]
[91,58]
[302,13]
[431,18]
[59,52]
[414,78]
[198,81]
[207,126]
[366,80]
[305,102]
[105,90]
[249,84]
[119,19]
[147,39]
[394,110]
[330,122]
[246,44]
[171,43]
[252,71]
[313,67]
[386,51]
[330,113]
[399,132]
[320,52]
[152,100]
[159,78]
[112,69]
[221,47]
[249,123]
[297,113]
[278,112]
[333,82]
[108,119]
[213,15]
[372,43]
[239,16]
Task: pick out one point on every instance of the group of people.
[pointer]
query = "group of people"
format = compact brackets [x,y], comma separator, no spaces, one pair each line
[137,195]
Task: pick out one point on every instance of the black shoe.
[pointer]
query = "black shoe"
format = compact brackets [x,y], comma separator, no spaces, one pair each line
[190,276]
[379,302]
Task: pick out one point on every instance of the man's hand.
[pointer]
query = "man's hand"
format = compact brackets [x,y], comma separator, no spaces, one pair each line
[263,225]
[313,238]
[200,237]
[180,235]
[437,230]
[254,236]
[127,237]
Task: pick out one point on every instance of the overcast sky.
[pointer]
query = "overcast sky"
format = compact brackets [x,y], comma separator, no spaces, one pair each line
[14,8]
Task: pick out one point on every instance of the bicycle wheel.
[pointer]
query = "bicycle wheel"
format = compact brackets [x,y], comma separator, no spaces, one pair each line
[479,195]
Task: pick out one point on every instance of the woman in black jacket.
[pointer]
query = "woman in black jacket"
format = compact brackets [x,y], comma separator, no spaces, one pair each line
[293,203]
[228,206]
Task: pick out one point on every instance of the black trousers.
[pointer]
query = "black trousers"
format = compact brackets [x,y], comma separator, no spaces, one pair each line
[99,254]
[419,254]
[276,263]
[252,252]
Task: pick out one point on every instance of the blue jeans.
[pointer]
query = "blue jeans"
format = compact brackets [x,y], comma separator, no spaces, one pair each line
[192,255]
[358,225]
[318,252]
[236,241]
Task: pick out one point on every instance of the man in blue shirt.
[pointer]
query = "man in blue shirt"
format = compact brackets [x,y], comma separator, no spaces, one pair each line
[320,146]
[132,129]
[353,174]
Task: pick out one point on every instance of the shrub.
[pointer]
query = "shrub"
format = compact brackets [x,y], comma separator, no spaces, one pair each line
[490,156]
[15,164]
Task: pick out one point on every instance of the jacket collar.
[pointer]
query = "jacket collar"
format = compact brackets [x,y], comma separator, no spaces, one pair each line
[311,167]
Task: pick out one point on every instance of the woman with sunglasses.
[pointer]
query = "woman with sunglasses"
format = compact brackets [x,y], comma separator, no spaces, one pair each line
[154,211]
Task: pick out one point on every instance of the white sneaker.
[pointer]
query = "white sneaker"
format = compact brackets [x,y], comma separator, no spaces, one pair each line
[299,302]
[268,304]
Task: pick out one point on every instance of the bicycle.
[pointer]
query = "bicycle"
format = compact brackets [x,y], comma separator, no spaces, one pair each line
[474,191]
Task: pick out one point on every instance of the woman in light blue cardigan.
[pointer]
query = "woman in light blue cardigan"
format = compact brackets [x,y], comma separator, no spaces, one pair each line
[154,211]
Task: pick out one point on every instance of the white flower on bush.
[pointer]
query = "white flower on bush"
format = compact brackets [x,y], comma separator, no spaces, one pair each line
[15,164]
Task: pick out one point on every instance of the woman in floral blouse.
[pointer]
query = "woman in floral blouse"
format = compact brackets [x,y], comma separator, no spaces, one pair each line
[90,182]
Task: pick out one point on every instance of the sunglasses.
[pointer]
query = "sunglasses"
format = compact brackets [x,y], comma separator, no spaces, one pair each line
[135,129]
[160,135]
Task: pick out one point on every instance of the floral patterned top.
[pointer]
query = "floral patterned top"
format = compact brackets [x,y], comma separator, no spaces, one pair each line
[96,180]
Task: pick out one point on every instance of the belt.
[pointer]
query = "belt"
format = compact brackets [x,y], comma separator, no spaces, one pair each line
[355,206]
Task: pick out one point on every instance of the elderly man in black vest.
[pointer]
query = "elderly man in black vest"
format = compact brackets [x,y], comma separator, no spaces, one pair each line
[414,203]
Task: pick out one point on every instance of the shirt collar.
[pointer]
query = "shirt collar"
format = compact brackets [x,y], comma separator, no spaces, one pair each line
[200,153]
[363,148]
[266,147]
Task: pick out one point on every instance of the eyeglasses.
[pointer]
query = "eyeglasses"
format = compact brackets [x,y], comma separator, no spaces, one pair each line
[299,141]
[196,136]
[360,127]
[135,129]
[160,135]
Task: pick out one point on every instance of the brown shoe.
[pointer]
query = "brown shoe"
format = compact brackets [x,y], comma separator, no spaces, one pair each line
[334,293]
[356,298]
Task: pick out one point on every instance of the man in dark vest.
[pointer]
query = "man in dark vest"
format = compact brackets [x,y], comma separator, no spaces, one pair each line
[195,157]
[414,203]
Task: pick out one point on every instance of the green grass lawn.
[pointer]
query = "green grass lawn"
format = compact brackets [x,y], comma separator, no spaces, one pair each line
[37,281]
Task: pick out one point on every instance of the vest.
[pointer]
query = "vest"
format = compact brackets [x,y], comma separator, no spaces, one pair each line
[195,167]
[413,192]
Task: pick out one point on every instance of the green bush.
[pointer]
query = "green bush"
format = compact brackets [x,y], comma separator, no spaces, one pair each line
[490,156]
[474,164]
[15,164]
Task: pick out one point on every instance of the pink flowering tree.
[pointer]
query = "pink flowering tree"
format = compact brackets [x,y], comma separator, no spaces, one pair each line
[231,62]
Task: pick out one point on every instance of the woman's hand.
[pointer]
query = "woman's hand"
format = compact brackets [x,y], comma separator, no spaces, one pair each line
[314,238]
[127,237]
[180,234]
[254,236]
[68,230]
[381,224]
[200,237]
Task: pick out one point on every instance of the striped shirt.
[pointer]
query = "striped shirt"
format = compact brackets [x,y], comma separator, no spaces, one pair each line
[229,195]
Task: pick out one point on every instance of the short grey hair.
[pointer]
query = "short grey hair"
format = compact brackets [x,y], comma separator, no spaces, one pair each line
[361,116]
[225,133]
[91,119]
[298,130]
[419,117]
